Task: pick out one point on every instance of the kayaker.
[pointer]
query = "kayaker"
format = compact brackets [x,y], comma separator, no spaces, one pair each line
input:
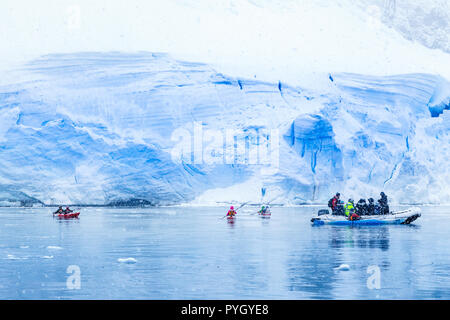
[371,207]
[67,211]
[349,208]
[361,207]
[383,203]
[231,212]
[264,210]
[59,211]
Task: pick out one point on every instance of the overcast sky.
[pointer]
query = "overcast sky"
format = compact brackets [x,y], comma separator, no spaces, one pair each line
[269,37]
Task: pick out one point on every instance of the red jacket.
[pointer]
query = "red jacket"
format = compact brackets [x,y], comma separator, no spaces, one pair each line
[334,202]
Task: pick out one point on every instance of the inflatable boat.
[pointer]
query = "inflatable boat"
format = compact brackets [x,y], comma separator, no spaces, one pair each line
[399,217]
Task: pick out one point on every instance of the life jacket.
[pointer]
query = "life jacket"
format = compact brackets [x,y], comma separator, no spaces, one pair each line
[348,208]
[231,213]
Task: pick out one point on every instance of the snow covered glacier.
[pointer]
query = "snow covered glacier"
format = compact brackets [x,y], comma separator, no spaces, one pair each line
[106,128]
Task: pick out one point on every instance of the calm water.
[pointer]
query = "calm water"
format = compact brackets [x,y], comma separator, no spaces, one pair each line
[190,253]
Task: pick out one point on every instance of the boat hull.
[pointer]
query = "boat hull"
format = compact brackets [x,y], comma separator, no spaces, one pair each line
[69,215]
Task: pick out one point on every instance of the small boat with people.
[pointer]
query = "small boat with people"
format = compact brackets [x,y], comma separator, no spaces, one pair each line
[399,217]
[66,213]
[363,213]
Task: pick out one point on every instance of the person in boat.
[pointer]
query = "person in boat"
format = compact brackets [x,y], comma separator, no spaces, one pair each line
[67,211]
[59,211]
[336,205]
[231,212]
[383,204]
[361,207]
[354,217]
[350,210]
[371,207]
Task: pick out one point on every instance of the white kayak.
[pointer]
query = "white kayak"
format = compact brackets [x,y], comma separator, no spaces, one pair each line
[399,217]
[266,214]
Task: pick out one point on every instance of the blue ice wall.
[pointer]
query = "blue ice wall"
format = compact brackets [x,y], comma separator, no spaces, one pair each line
[97,128]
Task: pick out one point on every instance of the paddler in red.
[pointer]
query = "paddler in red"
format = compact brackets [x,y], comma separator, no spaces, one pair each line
[231,212]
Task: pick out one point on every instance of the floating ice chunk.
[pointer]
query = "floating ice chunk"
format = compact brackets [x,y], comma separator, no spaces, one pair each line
[54,248]
[343,267]
[13,257]
[47,257]
[127,260]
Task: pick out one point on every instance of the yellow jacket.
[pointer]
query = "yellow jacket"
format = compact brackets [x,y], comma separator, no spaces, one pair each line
[348,208]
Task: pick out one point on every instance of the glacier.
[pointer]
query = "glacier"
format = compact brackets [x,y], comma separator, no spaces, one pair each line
[99,129]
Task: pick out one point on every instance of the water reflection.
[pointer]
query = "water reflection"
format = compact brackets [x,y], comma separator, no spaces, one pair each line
[372,237]
[67,221]
[310,272]
[231,222]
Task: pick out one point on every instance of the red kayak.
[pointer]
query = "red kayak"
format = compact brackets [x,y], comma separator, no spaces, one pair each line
[69,215]
[231,217]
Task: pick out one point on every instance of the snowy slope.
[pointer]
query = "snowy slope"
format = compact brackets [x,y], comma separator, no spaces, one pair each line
[98,128]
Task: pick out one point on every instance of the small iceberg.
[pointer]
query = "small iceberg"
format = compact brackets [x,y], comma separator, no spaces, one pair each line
[47,257]
[343,267]
[127,260]
[54,248]
[13,257]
